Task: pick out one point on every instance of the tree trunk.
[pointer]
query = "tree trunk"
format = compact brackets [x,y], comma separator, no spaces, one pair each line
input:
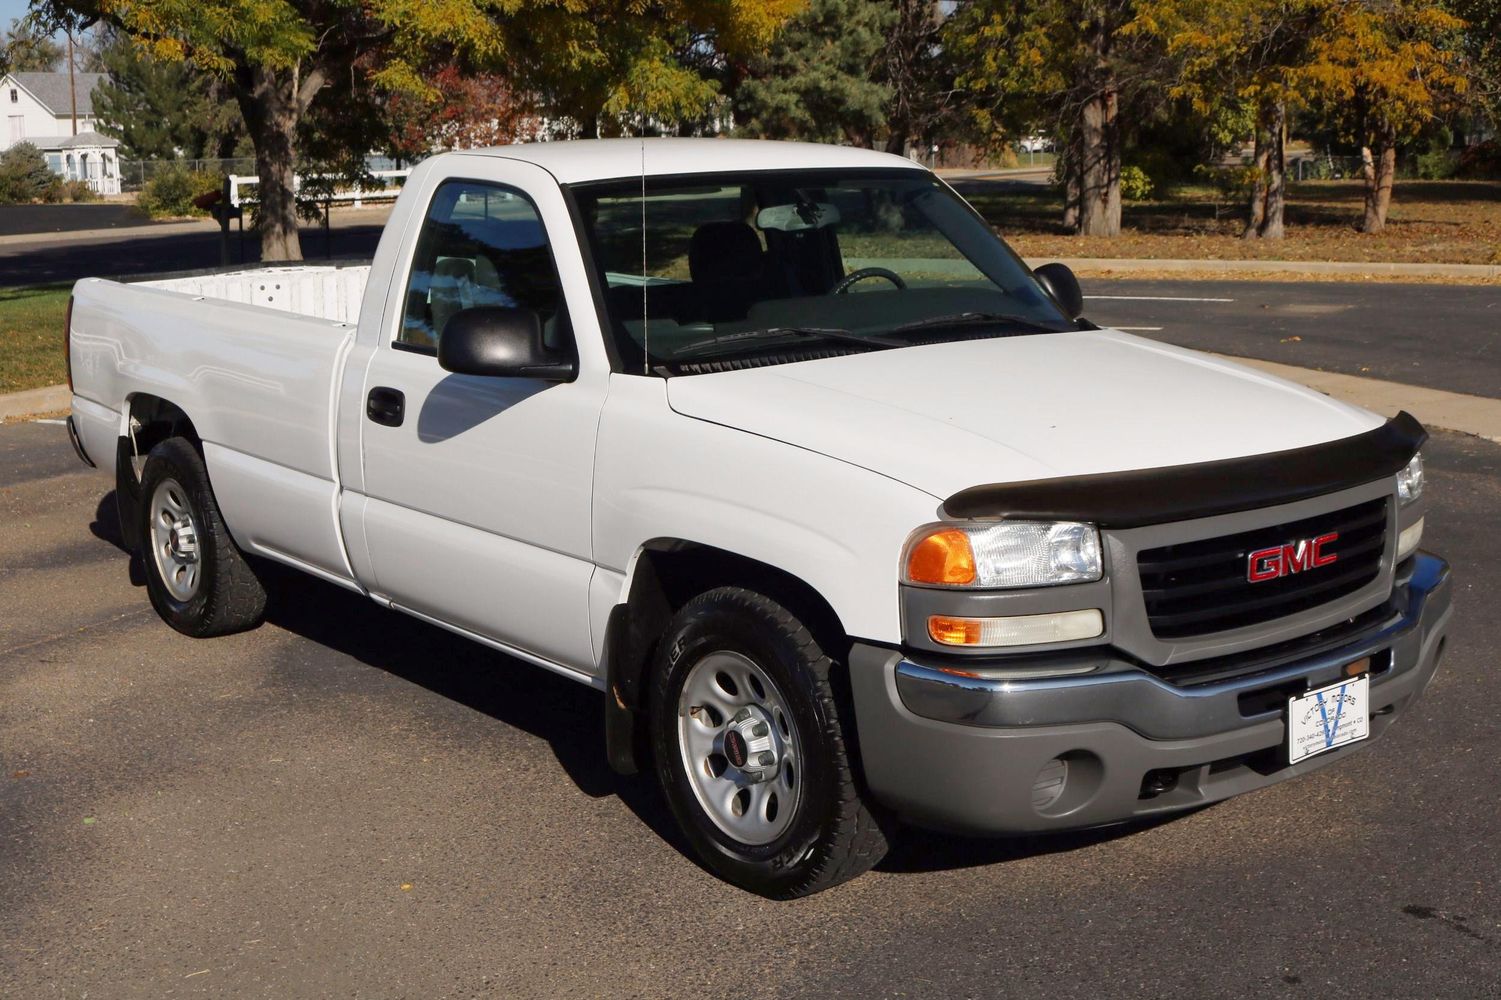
[1276,175]
[1257,211]
[1069,172]
[1379,170]
[1100,166]
[272,102]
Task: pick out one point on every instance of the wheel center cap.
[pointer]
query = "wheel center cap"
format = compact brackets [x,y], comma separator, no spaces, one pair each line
[752,745]
[735,750]
[183,541]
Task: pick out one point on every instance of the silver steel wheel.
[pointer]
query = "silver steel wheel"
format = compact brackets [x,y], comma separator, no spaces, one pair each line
[174,540]
[740,747]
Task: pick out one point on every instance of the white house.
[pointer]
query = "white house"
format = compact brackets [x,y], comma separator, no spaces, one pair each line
[40,109]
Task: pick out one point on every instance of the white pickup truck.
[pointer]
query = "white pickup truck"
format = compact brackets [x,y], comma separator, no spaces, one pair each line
[846,511]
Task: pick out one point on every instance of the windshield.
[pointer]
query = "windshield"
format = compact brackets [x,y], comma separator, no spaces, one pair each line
[777,266]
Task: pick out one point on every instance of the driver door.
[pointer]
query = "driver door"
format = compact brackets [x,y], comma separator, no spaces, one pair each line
[478,488]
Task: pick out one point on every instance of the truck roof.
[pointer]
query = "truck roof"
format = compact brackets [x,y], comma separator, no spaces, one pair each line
[579,160]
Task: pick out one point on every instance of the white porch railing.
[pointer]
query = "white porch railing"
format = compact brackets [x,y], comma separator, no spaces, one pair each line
[104,185]
[357,196]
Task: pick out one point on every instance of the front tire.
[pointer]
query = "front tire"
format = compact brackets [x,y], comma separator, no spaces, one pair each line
[751,750]
[197,578]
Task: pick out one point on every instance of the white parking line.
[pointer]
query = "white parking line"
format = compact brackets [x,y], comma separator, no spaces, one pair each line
[1137,329]
[1156,298]
[49,421]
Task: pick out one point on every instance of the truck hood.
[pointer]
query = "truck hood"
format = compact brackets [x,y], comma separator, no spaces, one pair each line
[946,417]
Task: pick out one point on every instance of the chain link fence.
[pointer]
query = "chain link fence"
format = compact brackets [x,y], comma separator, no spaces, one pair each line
[1432,165]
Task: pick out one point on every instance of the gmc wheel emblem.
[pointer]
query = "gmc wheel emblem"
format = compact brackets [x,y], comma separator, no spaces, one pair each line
[1294,557]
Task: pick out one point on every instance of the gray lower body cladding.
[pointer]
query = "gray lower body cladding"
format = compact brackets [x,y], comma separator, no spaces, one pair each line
[1019,752]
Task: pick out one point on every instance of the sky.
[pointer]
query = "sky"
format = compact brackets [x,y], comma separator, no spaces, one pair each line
[10,10]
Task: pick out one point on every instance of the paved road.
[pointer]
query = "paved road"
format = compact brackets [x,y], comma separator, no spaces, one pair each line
[16,220]
[347,801]
[1439,336]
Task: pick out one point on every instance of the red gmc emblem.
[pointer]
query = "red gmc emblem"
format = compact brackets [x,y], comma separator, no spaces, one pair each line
[1294,557]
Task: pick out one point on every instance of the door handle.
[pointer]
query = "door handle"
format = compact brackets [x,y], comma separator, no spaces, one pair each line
[386,406]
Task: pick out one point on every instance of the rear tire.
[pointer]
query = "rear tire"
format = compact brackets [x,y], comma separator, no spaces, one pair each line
[198,579]
[751,750]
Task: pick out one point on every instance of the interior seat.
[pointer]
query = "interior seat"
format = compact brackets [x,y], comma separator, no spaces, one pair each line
[728,269]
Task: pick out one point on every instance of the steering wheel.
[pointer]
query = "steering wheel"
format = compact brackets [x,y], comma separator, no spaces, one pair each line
[843,284]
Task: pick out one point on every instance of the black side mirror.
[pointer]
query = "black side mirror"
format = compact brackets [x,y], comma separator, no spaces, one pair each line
[1059,282]
[498,341]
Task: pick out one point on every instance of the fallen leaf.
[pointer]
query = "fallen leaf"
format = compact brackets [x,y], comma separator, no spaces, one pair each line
[406,887]
[21,774]
[1294,339]
[88,821]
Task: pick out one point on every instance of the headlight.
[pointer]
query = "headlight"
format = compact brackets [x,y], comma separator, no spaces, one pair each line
[1004,554]
[1410,480]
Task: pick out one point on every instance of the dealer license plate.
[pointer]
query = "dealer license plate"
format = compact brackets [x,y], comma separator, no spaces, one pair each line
[1328,718]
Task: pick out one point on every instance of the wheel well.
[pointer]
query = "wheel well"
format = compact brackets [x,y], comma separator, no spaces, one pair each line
[668,574]
[149,421]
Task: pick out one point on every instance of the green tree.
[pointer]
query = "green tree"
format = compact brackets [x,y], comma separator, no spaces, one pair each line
[24,49]
[1481,41]
[918,75]
[1078,65]
[1380,71]
[819,80]
[160,109]
[25,176]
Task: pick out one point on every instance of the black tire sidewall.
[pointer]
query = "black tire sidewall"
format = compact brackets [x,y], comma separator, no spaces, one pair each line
[176,459]
[702,629]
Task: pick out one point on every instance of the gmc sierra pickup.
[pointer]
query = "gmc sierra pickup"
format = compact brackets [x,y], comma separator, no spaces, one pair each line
[848,513]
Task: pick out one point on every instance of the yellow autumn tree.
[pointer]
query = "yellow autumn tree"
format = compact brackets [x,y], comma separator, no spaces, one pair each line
[279,57]
[1381,70]
[1245,56]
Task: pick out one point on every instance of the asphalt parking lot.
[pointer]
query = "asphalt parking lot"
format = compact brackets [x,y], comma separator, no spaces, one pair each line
[349,802]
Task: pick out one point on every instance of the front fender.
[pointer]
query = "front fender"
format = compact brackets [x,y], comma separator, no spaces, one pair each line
[838,527]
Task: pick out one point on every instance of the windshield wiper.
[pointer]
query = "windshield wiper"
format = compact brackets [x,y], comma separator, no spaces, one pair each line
[972,318]
[748,337]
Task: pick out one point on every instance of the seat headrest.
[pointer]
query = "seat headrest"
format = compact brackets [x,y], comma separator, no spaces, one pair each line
[724,251]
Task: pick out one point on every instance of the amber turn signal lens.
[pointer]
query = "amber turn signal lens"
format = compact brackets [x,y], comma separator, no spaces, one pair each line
[944,557]
[954,631]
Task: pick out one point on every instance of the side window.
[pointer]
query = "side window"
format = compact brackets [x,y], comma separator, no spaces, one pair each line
[480,245]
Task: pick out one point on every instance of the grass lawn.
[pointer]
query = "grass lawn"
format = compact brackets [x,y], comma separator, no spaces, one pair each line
[1450,222]
[31,337]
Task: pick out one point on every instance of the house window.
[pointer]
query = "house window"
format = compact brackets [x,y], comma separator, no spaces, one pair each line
[15,96]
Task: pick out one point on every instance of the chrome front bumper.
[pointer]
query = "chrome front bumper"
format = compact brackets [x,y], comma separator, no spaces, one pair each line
[978,747]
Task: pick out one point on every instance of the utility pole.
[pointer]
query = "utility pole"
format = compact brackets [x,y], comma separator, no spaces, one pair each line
[72,87]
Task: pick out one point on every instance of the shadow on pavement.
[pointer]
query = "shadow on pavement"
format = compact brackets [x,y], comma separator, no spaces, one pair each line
[915,851]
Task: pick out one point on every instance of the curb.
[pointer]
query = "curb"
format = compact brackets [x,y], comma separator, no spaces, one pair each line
[33,401]
[1388,269]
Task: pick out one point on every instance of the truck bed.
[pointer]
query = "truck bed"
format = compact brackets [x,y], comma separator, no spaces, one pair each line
[254,355]
[318,291]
